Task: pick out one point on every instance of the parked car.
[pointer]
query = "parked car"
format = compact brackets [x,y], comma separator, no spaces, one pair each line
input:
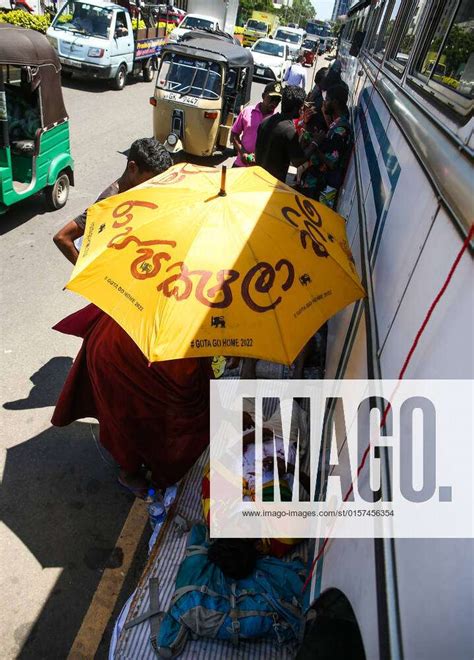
[271,59]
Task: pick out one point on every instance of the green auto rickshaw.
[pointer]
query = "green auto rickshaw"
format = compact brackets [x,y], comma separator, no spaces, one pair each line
[35,151]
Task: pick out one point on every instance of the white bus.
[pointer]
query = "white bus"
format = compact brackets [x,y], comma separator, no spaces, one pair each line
[408,201]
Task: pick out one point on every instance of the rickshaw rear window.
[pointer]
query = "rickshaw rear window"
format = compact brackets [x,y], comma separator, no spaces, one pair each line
[185,75]
[83,18]
[12,75]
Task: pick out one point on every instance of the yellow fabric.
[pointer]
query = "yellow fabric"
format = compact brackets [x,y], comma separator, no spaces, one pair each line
[189,273]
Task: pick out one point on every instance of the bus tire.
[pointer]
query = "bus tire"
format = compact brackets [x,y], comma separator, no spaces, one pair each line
[148,71]
[57,194]
[120,79]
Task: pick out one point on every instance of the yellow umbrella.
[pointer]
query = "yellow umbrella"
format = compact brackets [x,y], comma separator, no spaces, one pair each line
[190,270]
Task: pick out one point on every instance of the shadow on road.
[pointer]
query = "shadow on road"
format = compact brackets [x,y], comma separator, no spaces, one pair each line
[22,212]
[47,383]
[62,501]
[84,84]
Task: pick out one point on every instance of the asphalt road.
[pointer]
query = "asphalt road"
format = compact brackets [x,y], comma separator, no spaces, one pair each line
[61,509]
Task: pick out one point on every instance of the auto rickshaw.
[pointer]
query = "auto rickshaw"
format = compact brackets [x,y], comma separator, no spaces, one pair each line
[309,50]
[34,127]
[201,85]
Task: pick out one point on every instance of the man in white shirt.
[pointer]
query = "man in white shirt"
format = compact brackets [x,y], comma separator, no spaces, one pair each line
[296,74]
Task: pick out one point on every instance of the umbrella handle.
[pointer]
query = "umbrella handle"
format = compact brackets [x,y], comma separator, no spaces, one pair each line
[222,192]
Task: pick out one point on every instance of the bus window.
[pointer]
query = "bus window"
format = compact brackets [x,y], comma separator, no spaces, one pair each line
[448,58]
[388,25]
[379,18]
[406,38]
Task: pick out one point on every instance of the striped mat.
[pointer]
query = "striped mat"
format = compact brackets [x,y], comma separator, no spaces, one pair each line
[163,563]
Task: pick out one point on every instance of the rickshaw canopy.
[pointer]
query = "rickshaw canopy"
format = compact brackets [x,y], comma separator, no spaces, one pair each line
[22,47]
[215,50]
[31,50]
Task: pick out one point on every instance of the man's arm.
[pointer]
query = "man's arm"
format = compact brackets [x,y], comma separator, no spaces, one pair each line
[297,154]
[65,237]
[236,132]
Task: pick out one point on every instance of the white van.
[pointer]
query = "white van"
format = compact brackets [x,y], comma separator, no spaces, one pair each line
[293,37]
[97,39]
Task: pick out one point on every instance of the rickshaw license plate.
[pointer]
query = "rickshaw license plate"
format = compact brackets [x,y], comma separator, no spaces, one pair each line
[260,72]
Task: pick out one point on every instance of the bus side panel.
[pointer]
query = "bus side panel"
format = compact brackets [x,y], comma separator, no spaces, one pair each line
[436,586]
[348,564]
[438,572]
[347,193]
[342,325]
[402,232]
[445,350]
[380,168]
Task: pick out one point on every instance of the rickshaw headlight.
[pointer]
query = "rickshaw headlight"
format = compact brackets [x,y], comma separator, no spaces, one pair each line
[95,52]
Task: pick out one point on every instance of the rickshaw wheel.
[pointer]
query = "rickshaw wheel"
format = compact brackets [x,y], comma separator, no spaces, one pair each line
[57,194]
[120,78]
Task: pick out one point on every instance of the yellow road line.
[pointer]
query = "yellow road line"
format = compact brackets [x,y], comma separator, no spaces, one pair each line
[102,605]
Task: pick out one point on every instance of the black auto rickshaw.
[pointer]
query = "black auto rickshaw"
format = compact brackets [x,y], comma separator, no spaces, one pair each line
[34,126]
[201,85]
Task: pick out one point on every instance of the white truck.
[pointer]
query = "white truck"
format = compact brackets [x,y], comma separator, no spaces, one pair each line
[97,39]
[225,12]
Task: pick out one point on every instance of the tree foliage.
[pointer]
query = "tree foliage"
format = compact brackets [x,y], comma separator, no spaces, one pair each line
[26,20]
[300,12]
[246,7]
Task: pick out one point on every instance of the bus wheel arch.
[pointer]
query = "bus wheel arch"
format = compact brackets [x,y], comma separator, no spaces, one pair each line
[332,631]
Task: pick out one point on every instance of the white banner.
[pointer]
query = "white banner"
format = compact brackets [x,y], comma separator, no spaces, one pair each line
[299,459]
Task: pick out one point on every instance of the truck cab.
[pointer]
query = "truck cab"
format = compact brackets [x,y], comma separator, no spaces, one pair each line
[97,39]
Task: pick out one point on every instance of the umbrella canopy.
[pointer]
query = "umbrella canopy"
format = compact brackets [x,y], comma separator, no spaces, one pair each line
[189,270]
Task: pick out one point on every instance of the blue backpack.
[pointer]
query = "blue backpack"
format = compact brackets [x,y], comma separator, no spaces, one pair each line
[267,604]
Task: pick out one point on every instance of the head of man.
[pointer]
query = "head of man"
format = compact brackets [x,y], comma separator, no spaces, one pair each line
[335,103]
[300,59]
[147,158]
[292,100]
[271,97]
[319,77]
[332,77]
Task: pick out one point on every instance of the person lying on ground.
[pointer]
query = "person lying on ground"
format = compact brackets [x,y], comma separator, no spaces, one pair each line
[147,158]
[237,557]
